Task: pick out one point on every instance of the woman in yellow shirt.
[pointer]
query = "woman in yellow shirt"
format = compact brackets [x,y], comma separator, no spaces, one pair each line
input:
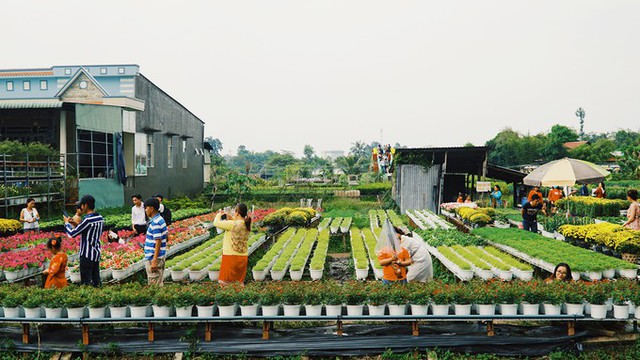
[235,257]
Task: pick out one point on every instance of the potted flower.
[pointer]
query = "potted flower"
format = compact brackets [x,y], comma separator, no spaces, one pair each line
[397,296]
[573,298]
[355,296]
[12,301]
[52,302]
[333,299]
[226,300]
[462,299]
[161,301]
[597,297]
[441,299]
[621,296]
[204,298]
[419,299]
[183,300]
[292,298]
[178,273]
[376,298]
[32,303]
[270,299]
[98,301]
[74,299]
[119,302]
[139,301]
[312,299]
[214,271]
[485,298]
[553,298]
[249,299]
[531,297]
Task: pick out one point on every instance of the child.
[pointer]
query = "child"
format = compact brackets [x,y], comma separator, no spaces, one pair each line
[56,271]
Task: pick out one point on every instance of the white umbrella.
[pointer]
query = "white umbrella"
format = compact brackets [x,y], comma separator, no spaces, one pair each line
[566,172]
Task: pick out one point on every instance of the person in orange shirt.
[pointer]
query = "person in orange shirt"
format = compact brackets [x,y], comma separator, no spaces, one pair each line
[460,198]
[392,257]
[535,190]
[58,265]
[600,192]
[555,194]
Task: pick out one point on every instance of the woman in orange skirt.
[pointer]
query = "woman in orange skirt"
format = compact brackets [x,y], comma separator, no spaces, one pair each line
[235,257]
[58,265]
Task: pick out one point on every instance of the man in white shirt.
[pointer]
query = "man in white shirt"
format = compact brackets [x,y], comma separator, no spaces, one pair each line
[138,216]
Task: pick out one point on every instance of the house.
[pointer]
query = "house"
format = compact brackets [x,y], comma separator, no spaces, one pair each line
[118,133]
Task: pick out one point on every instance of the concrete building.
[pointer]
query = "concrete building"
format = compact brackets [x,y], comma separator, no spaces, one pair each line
[107,121]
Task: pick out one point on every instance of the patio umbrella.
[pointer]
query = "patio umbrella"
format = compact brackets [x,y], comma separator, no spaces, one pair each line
[566,172]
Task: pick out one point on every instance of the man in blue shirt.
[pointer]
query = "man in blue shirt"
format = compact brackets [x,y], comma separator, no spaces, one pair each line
[90,229]
[155,245]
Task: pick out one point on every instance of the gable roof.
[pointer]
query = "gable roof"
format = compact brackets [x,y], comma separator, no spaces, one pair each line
[574,144]
[81,71]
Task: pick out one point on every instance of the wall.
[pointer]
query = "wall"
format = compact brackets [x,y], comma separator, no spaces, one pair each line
[171,119]
[417,188]
[107,192]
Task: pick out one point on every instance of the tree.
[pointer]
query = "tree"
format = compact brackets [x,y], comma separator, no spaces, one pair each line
[360,149]
[309,153]
[598,152]
[216,144]
[554,148]
[350,164]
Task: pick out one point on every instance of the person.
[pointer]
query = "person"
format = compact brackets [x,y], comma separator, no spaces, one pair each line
[496,196]
[467,200]
[460,198]
[29,217]
[599,192]
[90,229]
[235,256]
[633,213]
[535,190]
[584,190]
[555,194]
[421,269]
[530,213]
[562,272]
[393,258]
[155,244]
[164,211]
[57,267]
[138,217]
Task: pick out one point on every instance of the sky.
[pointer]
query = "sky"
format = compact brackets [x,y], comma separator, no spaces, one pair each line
[281,74]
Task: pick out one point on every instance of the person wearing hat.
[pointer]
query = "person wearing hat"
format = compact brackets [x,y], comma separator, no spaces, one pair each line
[89,229]
[163,210]
[155,244]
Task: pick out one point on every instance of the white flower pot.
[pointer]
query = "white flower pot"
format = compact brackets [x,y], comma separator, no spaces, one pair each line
[205,310]
[119,274]
[397,310]
[621,311]
[295,275]
[117,312]
[33,313]
[466,275]
[214,275]
[632,307]
[376,310]
[74,277]
[95,313]
[419,310]
[629,273]
[524,275]
[53,313]
[259,275]
[440,309]
[184,311]
[270,310]
[594,275]
[313,310]
[505,275]
[509,309]
[530,309]
[249,310]
[75,313]
[552,309]
[361,274]
[11,312]
[574,309]
[378,273]
[11,275]
[178,275]
[197,275]
[575,275]
[138,311]
[609,274]
[105,274]
[598,311]
[226,310]
[355,310]
[291,310]
[486,309]
[333,310]
[316,274]
[462,309]
[277,275]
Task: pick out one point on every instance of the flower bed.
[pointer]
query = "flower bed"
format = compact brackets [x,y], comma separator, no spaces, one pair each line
[475,216]
[546,253]
[299,261]
[591,206]
[425,219]
[611,235]
[289,217]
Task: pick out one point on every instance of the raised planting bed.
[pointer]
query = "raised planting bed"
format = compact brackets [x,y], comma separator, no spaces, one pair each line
[299,261]
[280,266]
[425,219]
[324,224]
[263,265]
[370,241]
[546,253]
[316,266]
[359,253]
[335,225]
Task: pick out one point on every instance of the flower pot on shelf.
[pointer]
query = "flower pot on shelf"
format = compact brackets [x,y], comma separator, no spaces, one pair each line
[226,310]
[105,274]
[249,310]
[11,275]
[259,275]
[295,275]
[440,309]
[462,309]
[184,311]
[525,275]
[530,309]
[33,313]
[75,313]
[575,275]
[609,274]
[361,274]
[621,311]
[53,313]
[594,275]
[178,275]
[552,309]
[197,275]
[598,311]
[214,275]
[574,309]
[509,309]
[486,309]
[629,273]
[378,273]
[376,310]
[117,312]
[277,274]
[333,310]
[97,313]
[505,275]
[291,310]
[204,310]
[12,312]
[355,310]
[313,310]
[270,310]
[138,311]
[397,310]
[419,310]
[316,274]
[119,274]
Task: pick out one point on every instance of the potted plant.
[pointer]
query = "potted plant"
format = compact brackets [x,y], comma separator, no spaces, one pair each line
[333,299]
[249,299]
[118,303]
[270,299]
[140,299]
[226,300]
[12,301]
[462,299]
[621,296]
[597,297]
[553,298]
[376,298]
[98,300]
[183,300]
[214,271]
[531,298]
[161,301]
[355,296]
[178,273]
[204,298]
[573,298]
[74,299]
[441,299]
[312,298]
[419,299]
[52,302]
[32,303]
[485,298]
[292,297]
[397,299]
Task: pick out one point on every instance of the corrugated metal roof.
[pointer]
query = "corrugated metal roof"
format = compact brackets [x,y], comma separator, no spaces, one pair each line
[30,104]
[26,73]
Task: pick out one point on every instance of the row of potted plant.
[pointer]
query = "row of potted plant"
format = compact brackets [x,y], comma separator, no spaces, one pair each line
[359,254]
[324,223]
[591,206]
[437,298]
[279,268]
[316,266]
[545,252]
[334,226]
[475,216]
[613,236]
[370,242]
[396,220]
[425,219]
[289,217]
[263,265]
[438,237]
[192,263]
[299,261]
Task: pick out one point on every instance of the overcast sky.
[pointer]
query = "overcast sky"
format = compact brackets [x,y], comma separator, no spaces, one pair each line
[280,74]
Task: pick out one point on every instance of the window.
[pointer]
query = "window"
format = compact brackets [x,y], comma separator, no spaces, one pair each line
[150,151]
[184,153]
[9,85]
[95,154]
[120,70]
[141,155]
[44,85]
[170,152]
[67,71]
[26,85]
[103,71]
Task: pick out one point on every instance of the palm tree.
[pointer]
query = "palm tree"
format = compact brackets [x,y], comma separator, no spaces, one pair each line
[360,149]
[350,164]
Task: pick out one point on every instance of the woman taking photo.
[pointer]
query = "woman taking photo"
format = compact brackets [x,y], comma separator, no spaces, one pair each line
[633,214]
[235,258]
[29,217]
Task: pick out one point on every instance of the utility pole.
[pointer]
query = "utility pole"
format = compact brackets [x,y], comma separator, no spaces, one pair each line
[580,114]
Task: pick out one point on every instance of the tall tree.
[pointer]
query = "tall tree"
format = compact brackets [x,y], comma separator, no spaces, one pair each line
[216,144]
[351,165]
[554,148]
[309,152]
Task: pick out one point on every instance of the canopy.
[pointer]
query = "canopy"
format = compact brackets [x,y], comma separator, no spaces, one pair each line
[566,172]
